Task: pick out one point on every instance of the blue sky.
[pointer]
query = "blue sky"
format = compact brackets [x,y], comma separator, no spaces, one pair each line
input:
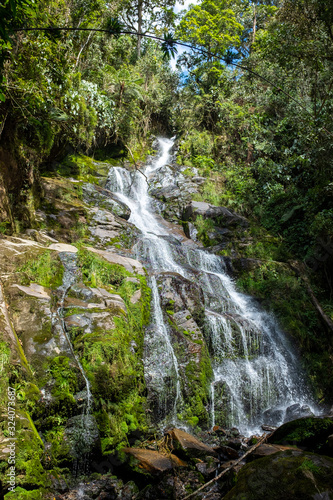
[178,8]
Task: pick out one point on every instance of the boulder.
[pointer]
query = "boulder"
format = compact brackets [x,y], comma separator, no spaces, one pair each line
[131,265]
[207,211]
[286,475]
[153,461]
[228,452]
[187,445]
[273,416]
[309,433]
[105,199]
[264,450]
[297,411]
[209,467]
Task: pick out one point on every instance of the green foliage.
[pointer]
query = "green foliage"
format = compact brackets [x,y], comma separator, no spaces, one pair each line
[211,25]
[47,270]
[97,272]
[204,227]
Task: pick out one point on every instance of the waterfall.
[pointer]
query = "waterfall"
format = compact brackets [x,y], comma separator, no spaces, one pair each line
[254,365]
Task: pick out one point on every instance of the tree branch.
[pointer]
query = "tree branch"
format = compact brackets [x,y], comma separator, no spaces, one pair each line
[136,165]
[235,462]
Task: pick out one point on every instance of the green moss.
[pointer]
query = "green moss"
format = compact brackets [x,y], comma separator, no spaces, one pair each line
[113,364]
[287,475]
[198,379]
[81,167]
[204,227]
[311,432]
[22,494]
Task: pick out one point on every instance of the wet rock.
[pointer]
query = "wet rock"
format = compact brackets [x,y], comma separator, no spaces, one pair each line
[91,321]
[207,211]
[182,303]
[105,199]
[166,193]
[297,411]
[173,190]
[81,291]
[187,445]
[104,487]
[180,294]
[208,468]
[269,428]
[219,431]
[153,461]
[235,443]
[289,475]
[273,416]
[82,435]
[34,323]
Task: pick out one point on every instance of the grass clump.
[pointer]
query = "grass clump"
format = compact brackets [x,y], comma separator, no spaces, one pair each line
[47,270]
[97,272]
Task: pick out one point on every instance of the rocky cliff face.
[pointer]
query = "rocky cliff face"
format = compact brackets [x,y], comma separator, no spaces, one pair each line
[75,304]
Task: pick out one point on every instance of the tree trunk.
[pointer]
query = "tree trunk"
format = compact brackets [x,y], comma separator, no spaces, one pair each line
[138,46]
[254,23]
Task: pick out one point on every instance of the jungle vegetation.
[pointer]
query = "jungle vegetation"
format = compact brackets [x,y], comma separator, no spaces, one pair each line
[250,101]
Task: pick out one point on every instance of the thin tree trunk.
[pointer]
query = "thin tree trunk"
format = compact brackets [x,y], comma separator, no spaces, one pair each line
[254,23]
[297,267]
[83,46]
[140,8]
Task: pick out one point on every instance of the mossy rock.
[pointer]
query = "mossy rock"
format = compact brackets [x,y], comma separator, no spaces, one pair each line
[287,475]
[22,494]
[310,433]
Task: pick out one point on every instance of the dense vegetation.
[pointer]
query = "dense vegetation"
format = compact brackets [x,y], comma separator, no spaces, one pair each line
[251,105]
[250,102]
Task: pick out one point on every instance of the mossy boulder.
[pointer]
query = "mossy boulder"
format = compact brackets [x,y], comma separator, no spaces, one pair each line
[286,475]
[310,433]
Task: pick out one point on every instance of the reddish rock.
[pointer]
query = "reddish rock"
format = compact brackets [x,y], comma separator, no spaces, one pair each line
[219,430]
[153,461]
[189,445]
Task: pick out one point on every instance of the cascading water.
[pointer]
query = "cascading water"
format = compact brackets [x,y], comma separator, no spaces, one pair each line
[253,364]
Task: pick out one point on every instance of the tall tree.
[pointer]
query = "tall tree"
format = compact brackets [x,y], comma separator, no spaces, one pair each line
[211,25]
[148,16]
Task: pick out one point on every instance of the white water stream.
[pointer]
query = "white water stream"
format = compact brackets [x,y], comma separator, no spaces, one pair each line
[254,366]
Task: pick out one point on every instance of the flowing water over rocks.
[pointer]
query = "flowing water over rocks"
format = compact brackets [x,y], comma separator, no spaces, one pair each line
[251,372]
